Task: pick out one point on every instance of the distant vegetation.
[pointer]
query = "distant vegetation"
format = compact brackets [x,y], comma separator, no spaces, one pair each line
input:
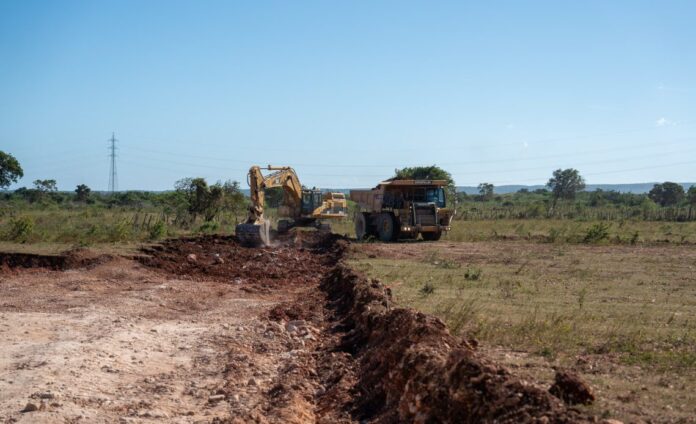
[83,217]
[42,214]
[564,199]
[561,212]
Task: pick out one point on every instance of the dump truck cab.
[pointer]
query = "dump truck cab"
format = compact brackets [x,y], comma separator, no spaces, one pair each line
[402,209]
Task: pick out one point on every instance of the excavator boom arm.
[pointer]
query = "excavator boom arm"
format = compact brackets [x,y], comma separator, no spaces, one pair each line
[283,176]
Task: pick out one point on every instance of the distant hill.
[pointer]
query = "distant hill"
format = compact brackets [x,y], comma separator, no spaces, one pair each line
[637,188]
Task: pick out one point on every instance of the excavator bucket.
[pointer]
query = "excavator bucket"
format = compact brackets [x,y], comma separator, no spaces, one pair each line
[254,235]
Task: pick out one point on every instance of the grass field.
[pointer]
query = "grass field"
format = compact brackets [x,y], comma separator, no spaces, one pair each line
[571,231]
[627,307]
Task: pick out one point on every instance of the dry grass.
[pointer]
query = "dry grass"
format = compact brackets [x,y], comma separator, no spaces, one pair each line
[572,231]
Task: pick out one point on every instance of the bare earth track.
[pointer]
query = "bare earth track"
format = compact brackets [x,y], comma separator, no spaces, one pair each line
[203,330]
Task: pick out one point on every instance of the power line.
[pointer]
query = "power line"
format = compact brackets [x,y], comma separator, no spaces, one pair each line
[112,172]
[675,142]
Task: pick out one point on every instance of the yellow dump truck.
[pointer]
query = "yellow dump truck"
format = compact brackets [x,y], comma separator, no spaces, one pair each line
[402,209]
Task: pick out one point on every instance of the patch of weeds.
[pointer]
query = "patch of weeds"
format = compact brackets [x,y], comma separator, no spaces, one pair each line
[547,352]
[208,227]
[459,313]
[555,235]
[472,274]
[634,238]
[582,294]
[157,231]
[597,233]
[119,231]
[427,289]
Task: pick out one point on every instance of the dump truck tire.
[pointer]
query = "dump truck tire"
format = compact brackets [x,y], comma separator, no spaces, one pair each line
[360,226]
[385,227]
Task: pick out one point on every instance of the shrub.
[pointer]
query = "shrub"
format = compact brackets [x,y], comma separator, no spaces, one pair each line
[427,289]
[119,231]
[158,231]
[555,234]
[20,229]
[472,274]
[597,233]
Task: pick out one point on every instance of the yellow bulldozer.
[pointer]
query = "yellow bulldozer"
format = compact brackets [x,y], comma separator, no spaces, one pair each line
[301,207]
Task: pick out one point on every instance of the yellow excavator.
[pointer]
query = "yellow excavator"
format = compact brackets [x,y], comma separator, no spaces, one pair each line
[300,208]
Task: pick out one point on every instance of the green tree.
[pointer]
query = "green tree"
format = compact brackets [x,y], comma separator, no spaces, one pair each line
[82,193]
[486,191]
[565,184]
[10,170]
[432,172]
[46,186]
[42,189]
[667,193]
[208,201]
[234,200]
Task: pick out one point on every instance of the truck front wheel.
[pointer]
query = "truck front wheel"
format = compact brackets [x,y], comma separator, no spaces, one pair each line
[385,227]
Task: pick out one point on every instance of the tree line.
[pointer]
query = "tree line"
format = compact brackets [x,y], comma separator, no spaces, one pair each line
[192,198]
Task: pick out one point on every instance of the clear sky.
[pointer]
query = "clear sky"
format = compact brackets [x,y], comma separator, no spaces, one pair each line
[495,91]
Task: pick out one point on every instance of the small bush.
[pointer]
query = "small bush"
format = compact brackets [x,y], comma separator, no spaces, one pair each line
[427,289]
[20,229]
[555,235]
[472,274]
[597,233]
[119,231]
[158,231]
[208,227]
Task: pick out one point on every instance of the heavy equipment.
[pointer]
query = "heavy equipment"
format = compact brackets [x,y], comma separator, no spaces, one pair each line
[402,209]
[301,207]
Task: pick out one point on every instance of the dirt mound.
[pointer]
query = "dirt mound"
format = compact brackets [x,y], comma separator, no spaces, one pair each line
[412,370]
[569,387]
[296,260]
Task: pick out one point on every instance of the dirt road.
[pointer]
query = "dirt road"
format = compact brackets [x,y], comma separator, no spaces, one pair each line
[203,330]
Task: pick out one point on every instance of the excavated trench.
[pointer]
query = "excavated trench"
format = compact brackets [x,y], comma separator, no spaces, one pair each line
[334,346]
[360,357]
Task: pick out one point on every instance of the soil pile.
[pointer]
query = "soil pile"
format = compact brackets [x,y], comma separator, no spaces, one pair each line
[412,370]
[297,260]
[569,387]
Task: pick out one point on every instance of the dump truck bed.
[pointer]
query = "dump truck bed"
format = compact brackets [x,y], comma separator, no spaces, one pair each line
[368,199]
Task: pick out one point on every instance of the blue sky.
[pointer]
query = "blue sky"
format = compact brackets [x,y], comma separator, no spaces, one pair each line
[495,91]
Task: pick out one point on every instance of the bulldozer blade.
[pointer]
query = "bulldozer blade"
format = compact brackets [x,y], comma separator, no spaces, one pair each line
[254,235]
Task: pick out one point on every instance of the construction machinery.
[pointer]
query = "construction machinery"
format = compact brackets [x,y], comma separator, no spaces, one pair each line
[301,207]
[402,209]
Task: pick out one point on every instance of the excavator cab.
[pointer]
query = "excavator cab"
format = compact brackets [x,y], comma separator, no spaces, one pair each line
[311,200]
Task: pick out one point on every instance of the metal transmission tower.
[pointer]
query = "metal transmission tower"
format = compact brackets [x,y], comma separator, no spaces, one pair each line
[112,172]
